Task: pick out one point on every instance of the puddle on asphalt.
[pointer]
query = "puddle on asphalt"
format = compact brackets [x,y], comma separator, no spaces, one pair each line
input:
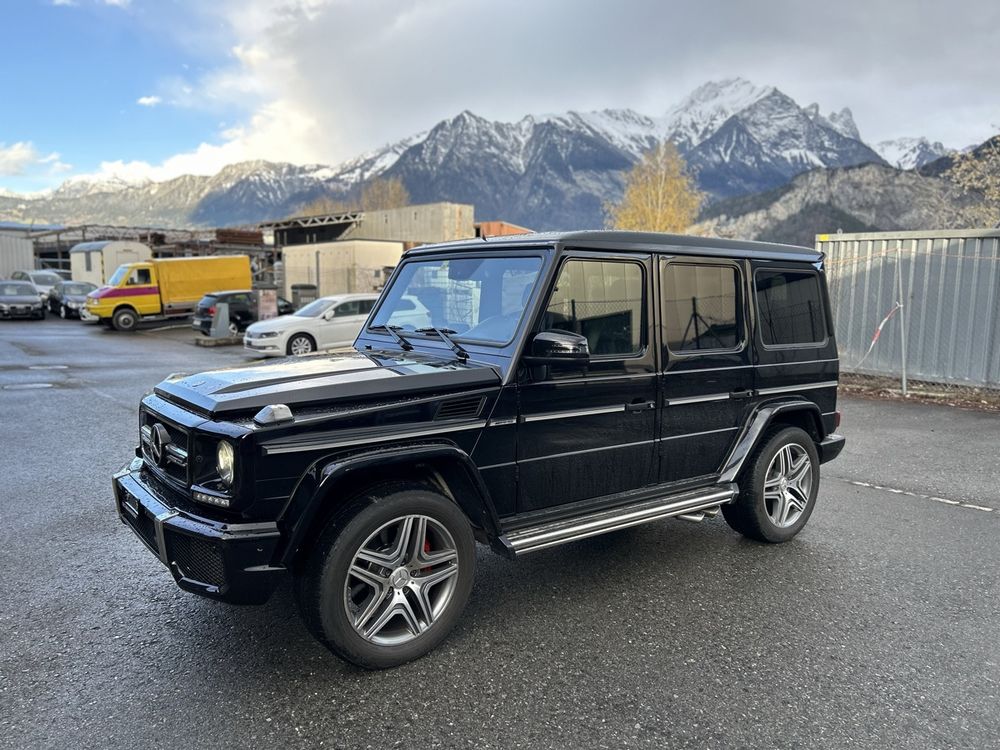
[26,386]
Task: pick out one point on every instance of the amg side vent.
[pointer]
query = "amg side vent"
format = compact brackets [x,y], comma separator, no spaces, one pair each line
[460,408]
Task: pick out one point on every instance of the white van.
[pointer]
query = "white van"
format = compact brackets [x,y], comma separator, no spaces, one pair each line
[97,261]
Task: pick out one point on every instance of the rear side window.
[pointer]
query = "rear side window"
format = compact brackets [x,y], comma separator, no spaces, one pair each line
[790,307]
[701,304]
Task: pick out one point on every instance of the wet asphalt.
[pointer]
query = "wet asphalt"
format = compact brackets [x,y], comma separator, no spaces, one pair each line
[878,626]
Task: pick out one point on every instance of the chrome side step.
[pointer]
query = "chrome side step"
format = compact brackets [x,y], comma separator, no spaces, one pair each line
[522,541]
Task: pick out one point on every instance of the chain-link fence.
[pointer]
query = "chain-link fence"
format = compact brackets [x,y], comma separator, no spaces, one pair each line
[918,311]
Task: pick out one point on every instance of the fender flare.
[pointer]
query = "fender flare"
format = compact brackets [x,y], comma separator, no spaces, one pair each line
[328,472]
[755,428]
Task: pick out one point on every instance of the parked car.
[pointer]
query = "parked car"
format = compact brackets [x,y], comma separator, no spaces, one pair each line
[569,385]
[19,299]
[42,281]
[242,310]
[324,323]
[68,298]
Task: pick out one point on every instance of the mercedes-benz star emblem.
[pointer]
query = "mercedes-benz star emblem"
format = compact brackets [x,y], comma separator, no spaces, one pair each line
[158,443]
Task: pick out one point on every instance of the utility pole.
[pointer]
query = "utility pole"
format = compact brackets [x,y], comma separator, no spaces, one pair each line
[902,310]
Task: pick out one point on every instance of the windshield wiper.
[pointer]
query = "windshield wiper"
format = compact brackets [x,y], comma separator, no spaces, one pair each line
[392,331]
[443,334]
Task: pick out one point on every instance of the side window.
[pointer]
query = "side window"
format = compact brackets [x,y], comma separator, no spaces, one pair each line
[602,300]
[790,307]
[88,263]
[365,306]
[346,308]
[139,277]
[701,306]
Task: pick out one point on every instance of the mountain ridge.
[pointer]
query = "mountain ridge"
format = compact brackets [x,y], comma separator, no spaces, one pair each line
[550,171]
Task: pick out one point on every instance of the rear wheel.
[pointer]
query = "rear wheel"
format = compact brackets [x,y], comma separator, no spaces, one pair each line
[125,319]
[778,492]
[301,343]
[387,582]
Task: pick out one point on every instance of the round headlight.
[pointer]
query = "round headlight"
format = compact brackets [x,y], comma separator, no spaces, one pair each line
[225,461]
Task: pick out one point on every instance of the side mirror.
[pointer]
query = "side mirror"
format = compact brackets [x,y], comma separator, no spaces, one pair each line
[328,315]
[558,348]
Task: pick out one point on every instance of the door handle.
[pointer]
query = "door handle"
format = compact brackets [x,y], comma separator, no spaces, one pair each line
[745,393]
[641,406]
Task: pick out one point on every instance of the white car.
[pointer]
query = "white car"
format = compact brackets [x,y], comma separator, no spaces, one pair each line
[325,323]
[43,281]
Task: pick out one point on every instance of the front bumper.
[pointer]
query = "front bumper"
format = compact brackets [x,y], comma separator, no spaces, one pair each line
[268,347]
[830,447]
[229,562]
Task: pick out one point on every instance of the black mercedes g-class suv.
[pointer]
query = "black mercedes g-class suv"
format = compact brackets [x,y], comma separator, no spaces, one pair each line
[558,386]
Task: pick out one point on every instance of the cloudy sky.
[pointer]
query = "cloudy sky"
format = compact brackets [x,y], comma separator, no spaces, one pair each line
[157,88]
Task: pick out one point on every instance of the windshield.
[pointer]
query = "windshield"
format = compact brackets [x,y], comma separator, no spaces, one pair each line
[78,288]
[315,308]
[46,278]
[14,289]
[120,274]
[479,299]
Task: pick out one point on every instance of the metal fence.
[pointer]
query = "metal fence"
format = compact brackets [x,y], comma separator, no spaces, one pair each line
[917,306]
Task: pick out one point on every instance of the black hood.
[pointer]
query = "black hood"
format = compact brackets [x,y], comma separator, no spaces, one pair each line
[323,378]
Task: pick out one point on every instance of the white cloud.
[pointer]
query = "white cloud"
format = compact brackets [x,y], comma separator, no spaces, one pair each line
[118,3]
[322,80]
[66,3]
[148,101]
[22,158]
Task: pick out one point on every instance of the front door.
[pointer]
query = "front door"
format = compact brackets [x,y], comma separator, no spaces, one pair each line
[707,379]
[347,318]
[143,289]
[590,433]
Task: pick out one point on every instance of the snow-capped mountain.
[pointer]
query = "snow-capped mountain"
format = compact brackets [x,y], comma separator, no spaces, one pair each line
[911,153]
[546,171]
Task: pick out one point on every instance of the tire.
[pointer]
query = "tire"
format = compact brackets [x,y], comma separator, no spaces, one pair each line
[780,514]
[125,319]
[338,605]
[49,304]
[300,343]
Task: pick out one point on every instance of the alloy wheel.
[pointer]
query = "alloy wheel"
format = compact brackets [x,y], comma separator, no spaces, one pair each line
[401,580]
[788,485]
[300,345]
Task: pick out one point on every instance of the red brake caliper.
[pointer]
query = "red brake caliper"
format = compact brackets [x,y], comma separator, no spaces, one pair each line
[427,551]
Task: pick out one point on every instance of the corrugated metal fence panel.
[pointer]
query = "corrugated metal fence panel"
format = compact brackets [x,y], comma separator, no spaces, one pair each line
[951,296]
[16,254]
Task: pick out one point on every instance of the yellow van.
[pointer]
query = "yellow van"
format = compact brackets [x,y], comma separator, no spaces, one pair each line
[164,288]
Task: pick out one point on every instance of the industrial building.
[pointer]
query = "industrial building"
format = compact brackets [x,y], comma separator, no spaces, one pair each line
[414,225]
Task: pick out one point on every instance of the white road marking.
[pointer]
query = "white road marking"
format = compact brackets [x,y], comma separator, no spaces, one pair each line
[936,499]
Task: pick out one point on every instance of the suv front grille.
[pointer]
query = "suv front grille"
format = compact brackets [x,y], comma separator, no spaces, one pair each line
[173,458]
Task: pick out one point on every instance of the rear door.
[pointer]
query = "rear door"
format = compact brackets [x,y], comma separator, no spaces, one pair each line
[588,433]
[797,353]
[707,373]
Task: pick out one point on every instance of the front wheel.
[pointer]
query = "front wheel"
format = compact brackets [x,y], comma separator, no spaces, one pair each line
[778,492]
[301,343]
[125,319]
[387,583]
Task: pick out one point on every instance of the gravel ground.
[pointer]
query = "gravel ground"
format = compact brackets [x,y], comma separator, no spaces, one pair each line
[875,627]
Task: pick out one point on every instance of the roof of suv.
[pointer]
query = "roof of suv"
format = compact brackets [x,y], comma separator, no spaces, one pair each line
[681,244]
